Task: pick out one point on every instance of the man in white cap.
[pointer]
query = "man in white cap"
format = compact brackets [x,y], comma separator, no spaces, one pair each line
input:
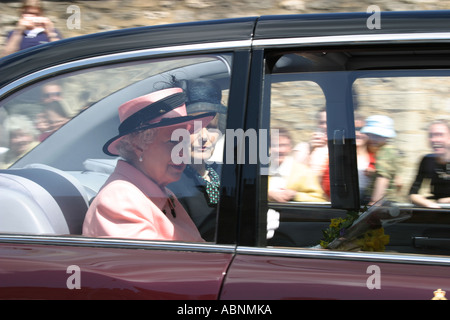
[380,129]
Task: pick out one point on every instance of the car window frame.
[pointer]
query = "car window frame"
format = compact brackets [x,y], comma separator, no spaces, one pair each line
[397,41]
[225,243]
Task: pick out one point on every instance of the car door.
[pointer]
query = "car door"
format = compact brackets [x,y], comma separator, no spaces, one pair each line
[311,87]
[42,254]
[70,268]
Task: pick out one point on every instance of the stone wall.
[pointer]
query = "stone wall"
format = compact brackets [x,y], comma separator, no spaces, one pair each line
[116,14]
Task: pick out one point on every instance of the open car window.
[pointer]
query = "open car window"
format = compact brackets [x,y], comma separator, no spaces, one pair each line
[44,107]
[59,126]
[383,136]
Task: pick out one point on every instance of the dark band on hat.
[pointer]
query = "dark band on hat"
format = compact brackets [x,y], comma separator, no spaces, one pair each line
[139,120]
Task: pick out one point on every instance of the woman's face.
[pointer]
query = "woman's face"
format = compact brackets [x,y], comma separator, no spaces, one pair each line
[281,148]
[157,162]
[361,138]
[20,141]
[204,141]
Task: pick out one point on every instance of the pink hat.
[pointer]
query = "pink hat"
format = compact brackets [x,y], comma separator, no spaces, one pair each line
[163,108]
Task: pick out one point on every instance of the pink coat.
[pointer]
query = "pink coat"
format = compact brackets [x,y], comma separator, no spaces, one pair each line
[130,205]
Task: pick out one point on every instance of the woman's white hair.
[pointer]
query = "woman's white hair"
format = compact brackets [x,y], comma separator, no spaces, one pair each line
[126,147]
[18,122]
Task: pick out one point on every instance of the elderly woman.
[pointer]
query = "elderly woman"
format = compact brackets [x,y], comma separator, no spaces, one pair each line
[134,202]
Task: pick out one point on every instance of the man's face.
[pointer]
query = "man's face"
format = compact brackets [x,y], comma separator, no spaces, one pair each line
[439,137]
[375,142]
[51,93]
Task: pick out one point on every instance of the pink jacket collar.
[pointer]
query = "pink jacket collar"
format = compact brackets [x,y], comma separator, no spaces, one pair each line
[126,171]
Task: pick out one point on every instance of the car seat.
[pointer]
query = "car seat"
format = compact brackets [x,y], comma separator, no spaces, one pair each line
[39,199]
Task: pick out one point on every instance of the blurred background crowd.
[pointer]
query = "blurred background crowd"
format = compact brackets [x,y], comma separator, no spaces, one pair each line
[73,18]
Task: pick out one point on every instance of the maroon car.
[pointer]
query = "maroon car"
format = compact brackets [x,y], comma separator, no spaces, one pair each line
[334,209]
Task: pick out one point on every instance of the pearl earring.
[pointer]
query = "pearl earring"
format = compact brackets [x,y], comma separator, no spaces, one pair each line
[140,158]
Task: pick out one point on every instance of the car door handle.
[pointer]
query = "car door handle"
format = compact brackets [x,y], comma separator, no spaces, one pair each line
[427,242]
[339,142]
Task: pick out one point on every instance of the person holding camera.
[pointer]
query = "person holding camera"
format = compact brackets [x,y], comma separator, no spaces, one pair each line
[31,30]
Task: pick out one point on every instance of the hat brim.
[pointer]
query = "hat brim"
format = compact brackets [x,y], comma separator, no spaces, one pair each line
[110,147]
[385,133]
[205,107]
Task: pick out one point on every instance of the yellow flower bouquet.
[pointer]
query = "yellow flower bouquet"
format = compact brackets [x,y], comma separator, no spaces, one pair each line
[362,230]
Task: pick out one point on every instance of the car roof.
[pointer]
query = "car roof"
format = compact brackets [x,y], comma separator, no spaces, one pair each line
[337,24]
[30,60]
[116,41]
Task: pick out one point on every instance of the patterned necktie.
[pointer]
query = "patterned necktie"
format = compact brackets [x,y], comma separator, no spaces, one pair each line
[212,187]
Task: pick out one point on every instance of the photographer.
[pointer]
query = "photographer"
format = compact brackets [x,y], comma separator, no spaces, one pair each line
[31,30]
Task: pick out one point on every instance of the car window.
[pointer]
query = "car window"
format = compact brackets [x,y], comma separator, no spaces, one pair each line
[60,125]
[393,119]
[301,145]
[44,107]
[399,137]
